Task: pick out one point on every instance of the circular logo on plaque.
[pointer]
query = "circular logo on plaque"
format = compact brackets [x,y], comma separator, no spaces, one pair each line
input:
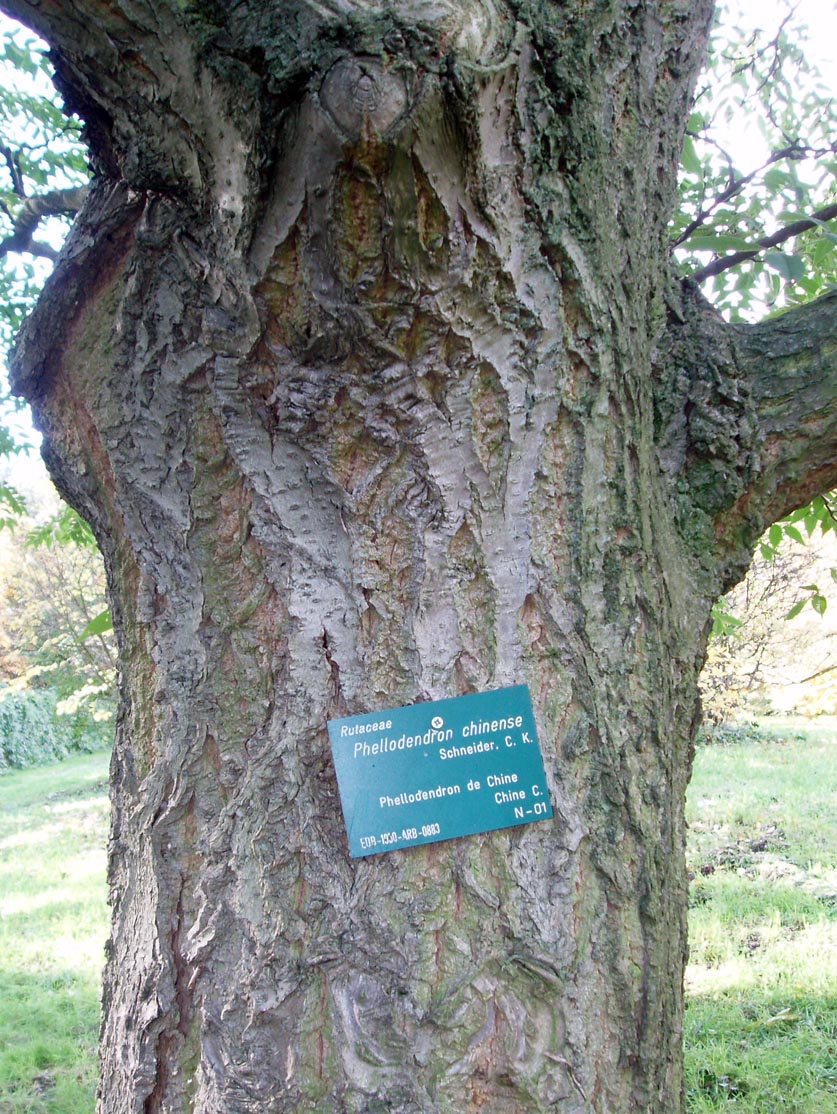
[437,722]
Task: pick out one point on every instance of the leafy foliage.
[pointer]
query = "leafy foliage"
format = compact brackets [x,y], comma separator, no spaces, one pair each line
[56,629]
[41,156]
[719,233]
[56,649]
[12,505]
[40,152]
[65,527]
[36,728]
[816,517]
[728,207]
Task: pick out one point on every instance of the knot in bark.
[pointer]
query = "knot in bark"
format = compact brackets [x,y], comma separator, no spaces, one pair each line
[360,93]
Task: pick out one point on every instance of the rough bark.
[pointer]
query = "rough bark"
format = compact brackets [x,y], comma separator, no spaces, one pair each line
[366,363]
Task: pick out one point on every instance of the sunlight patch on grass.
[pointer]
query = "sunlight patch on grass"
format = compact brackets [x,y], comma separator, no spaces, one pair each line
[26,904]
[761,985]
[53,925]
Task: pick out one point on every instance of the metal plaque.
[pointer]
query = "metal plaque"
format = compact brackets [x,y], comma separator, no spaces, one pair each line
[438,770]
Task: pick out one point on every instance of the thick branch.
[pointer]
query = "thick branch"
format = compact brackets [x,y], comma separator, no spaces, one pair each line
[112,70]
[746,423]
[791,361]
[30,214]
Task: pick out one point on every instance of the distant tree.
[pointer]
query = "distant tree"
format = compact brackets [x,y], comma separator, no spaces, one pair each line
[55,629]
[751,627]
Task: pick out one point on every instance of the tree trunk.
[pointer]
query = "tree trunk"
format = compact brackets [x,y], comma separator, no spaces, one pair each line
[366,363]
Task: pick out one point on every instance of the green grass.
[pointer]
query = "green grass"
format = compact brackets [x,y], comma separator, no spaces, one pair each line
[761,1022]
[761,1025]
[53,923]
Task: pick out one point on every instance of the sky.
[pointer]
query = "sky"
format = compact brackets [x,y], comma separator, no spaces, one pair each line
[820,46]
[819,15]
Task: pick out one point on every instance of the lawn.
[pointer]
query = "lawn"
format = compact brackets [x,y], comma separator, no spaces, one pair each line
[53,922]
[761,1025]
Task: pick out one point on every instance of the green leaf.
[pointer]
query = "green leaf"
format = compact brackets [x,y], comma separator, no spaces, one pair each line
[790,267]
[689,158]
[718,242]
[98,625]
[795,610]
[792,532]
[775,535]
[723,623]
[819,603]
[776,179]
[12,500]
[767,552]
[697,121]
[65,528]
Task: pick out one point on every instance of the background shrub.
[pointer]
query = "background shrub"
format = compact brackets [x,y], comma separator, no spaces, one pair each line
[35,727]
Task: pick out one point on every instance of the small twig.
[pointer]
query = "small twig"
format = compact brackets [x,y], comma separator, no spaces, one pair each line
[776,62]
[819,673]
[12,160]
[717,266]
[829,508]
[794,150]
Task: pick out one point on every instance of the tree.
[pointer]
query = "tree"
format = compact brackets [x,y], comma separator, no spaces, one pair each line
[755,650]
[55,625]
[367,362]
[42,176]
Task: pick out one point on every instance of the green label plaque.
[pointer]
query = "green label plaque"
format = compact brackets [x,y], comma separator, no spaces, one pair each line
[438,770]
